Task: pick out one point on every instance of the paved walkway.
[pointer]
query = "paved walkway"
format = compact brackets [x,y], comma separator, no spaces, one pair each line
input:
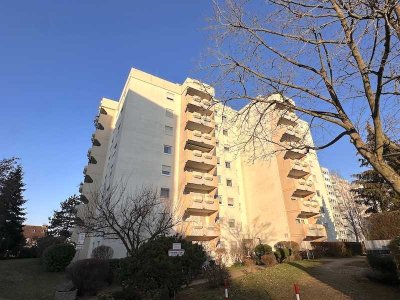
[347,277]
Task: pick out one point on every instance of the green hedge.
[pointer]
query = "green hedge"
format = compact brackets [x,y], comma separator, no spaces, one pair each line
[57,257]
[89,275]
[152,271]
[384,267]
[336,249]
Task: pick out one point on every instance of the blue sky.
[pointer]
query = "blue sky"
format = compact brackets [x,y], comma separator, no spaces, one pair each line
[58,58]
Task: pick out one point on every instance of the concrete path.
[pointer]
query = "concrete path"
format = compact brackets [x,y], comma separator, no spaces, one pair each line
[347,276]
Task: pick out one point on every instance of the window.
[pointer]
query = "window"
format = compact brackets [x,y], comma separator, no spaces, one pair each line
[170,96]
[223,118]
[230,201]
[225,132]
[219,178]
[218,161]
[166,170]
[318,193]
[219,197]
[229,182]
[169,130]
[226,149]
[164,194]
[231,223]
[228,164]
[167,149]
[169,113]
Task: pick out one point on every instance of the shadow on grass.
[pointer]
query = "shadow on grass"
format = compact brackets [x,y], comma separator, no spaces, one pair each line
[348,275]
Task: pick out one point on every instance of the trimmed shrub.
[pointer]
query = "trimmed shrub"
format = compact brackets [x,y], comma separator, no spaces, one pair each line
[152,271]
[57,257]
[295,247]
[269,260]
[293,250]
[28,252]
[331,249]
[383,226]
[114,267]
[261,250]
[355,248]
[278,256]
[384,268]
[394,247]
[216,275]
[89,275]
[281,254]
[45,242]
[102,252]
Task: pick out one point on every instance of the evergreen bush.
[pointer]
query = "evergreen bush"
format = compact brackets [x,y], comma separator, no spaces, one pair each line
[57,257]
[89,275]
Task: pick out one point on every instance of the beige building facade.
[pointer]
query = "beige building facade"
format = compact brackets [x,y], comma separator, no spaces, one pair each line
[342,215]
[178,139]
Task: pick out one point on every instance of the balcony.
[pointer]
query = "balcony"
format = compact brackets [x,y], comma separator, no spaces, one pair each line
[92,160]
[303,188]
[200,160]
[291,134]
[288,119]
[200,204]
[95,141]
[196,231]
[198,104]
[200,181]
[293,153]
[287,106]
[299,169]
[202,140]
[197,121]
[313,231]
[88,179]
[309,208]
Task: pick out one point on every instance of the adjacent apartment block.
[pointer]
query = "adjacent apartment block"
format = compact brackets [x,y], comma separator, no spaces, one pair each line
[180,140]
[342,215]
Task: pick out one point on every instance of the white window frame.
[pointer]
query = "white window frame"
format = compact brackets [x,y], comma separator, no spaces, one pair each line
[163,188]
[167,147]
[164,172]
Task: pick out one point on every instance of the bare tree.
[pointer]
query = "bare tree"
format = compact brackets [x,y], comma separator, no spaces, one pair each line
[339,59]
[133,218]
[243,238]
[353,219]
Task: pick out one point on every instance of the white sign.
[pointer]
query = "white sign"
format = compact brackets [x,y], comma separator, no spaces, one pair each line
[81,238]
[176,246]
[80,241]
[176,252]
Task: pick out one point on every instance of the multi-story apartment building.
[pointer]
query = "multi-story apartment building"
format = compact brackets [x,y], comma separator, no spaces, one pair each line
[342,215]
[178,139]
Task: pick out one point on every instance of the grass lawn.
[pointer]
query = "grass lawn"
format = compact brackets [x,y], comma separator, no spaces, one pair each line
[271,283]
[25,279]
